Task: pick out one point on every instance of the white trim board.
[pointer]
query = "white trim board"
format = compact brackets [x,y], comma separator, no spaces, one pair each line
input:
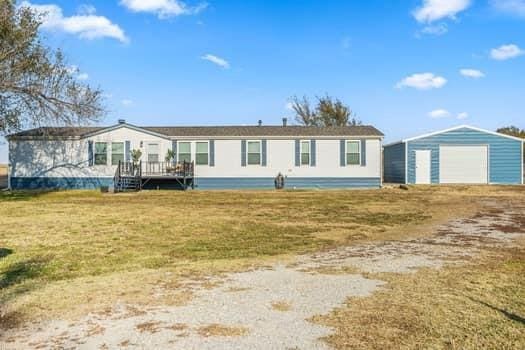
[452,129]
[124,125]
[463,127]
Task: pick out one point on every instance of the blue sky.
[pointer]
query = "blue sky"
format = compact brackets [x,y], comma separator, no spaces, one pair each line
[406,67]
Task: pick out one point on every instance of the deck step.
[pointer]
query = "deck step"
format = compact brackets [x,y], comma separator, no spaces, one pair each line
[128,184]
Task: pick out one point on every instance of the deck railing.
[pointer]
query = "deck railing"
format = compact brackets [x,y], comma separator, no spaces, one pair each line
[146,169]
[129,169]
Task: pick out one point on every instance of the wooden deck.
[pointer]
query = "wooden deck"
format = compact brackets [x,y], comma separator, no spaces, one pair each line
[136,176]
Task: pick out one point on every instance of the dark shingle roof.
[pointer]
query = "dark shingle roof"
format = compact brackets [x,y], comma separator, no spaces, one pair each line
[217,131]
[56,132]
[272,130]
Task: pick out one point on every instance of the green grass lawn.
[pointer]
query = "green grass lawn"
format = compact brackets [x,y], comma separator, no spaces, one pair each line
[63,250]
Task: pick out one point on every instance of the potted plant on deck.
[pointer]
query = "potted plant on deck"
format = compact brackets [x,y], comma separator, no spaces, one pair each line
[135,157]
[170,156]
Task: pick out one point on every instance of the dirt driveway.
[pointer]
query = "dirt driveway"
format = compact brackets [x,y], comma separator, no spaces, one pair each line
[270,308]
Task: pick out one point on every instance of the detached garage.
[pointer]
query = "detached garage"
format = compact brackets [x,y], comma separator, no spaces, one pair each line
[461,155]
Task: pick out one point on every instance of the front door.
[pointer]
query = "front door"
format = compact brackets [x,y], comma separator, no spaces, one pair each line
[423,167]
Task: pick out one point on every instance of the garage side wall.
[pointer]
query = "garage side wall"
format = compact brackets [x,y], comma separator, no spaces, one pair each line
[504,154]
[394,163]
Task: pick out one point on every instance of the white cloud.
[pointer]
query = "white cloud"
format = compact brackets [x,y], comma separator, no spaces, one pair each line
[462,115]
[472,73]
[434,10]
[163,8]
[221,62]
[443,113]
[512,7]
[437,29]
[86,24]
[127,102]
[439,113]
[72,69]
[289,106]
[85,9]
[75,72]
[83,76]
[506,52]
[422,81]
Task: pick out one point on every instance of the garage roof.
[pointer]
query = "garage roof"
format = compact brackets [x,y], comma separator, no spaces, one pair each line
[456,128]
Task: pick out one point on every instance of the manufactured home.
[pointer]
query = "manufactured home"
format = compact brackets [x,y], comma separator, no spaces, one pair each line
[209,157]
[460,155]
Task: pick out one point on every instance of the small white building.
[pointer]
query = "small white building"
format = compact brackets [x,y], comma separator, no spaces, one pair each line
[208,157]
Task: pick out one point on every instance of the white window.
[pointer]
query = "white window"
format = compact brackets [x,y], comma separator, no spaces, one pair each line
[201,153]
[101,153]
[117,152]
[305,152]
[353,153]
[153,152]
[184,149]
[254,153]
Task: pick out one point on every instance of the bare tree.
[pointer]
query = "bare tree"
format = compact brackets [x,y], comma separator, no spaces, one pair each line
[37,87]
[304,114]
[328,112]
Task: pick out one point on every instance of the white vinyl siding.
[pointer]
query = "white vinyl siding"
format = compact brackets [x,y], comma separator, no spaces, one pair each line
[254,153]
[201,153]
[353,152]
[280,157]
[117,152]
[101,153]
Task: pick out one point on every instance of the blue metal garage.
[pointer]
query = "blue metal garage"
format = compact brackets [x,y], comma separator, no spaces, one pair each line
[461,155]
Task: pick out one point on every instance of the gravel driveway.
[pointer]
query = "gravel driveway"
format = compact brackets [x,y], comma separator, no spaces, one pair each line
[269,308]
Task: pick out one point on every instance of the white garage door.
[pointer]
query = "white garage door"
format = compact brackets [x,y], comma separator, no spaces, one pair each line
[463,164]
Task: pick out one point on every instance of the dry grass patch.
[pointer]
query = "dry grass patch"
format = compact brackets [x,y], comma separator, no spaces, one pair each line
[95,329]
[237,289]
[282,306]
[218,330]
[332,270]
[177,327]
[124,343]
[69,252]
[150,327]
[475,306]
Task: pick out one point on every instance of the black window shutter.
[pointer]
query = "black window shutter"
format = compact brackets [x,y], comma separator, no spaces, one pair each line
[313,160]
[342,155]
[212,152]
[91,158]
[363,152]
[297,152]
[263,152]
[127,151]
[243,152]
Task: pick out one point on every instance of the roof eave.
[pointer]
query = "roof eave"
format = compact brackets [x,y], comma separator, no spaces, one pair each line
[124,125]
[40,138]
[461,127]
